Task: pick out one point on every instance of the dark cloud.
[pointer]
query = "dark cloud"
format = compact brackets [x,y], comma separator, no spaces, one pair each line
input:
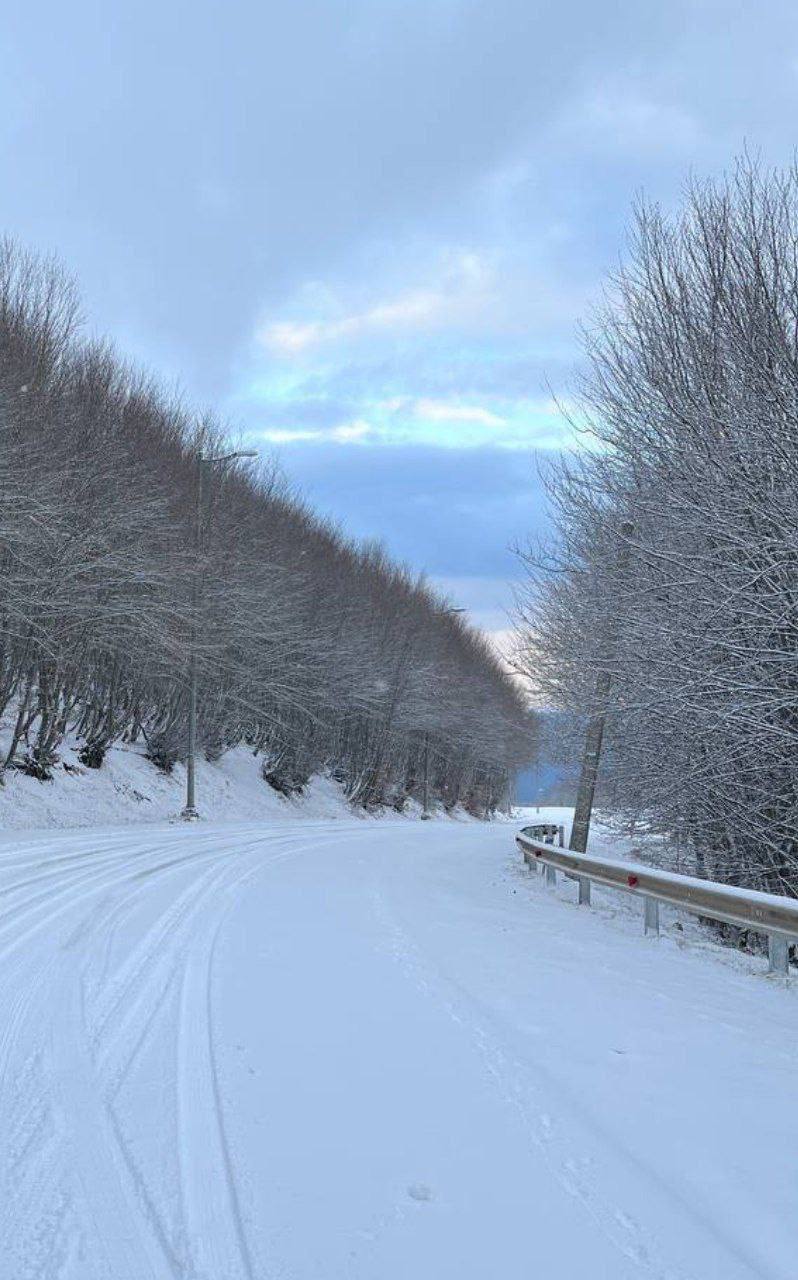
[453,513]
[195,160]
[200,163]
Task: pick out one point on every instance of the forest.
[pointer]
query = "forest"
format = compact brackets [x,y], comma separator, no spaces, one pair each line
[666,599]
[317,653]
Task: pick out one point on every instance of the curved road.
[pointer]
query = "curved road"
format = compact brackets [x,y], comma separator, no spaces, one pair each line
[374,1050]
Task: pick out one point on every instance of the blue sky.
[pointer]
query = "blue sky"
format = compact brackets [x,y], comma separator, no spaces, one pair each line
[367,232]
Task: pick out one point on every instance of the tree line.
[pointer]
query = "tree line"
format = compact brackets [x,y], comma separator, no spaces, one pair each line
[673,570]
[317,653]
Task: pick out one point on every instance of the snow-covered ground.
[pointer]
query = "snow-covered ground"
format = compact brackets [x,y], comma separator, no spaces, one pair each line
[374,1050]
[129,789]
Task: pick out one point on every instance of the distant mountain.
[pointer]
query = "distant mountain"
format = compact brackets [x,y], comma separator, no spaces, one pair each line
[546,784]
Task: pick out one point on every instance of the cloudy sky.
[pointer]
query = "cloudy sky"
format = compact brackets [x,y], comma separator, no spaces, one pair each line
[366,231]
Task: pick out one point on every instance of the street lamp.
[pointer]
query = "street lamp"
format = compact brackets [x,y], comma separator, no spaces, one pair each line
[426,815]
[190,810]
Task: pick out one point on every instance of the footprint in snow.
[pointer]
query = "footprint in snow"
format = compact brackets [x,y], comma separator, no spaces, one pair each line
[419,1191]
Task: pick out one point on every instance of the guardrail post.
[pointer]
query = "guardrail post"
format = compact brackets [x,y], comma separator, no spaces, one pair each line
[551,875]
[584,891]
[650,915]
[778,955]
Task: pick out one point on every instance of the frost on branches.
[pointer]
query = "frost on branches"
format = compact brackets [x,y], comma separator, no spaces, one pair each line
[316,653]
[675,566]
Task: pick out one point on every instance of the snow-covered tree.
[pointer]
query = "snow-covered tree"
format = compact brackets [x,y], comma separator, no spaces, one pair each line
[314,651]
[670,599]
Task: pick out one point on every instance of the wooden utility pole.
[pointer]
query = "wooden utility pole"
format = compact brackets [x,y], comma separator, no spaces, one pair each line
[590,766]
[594,735]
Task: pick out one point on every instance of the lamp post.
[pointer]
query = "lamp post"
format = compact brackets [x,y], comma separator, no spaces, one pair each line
[425,812]
[190,810]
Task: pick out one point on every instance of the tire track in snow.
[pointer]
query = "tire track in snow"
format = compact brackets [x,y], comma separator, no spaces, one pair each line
[132,1246]
[103,1016]
[125,1196]
[32,1173]
[34,1141]
[129,993]
[215,1238]
[214,1222]
[166,938]
[40,912]
[32,1157]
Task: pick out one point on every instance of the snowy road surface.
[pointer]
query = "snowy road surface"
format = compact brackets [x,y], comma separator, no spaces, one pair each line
[375,1050]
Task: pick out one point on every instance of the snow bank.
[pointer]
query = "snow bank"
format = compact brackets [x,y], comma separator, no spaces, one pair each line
[129,789]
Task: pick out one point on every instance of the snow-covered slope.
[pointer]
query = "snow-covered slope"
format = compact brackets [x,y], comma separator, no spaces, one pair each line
[128,788]
[374,1050]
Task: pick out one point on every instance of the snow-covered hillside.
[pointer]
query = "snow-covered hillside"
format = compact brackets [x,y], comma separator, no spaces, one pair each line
[128,788]
[374,1050]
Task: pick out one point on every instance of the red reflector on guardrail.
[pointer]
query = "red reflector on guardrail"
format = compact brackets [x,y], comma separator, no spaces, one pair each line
[632,881]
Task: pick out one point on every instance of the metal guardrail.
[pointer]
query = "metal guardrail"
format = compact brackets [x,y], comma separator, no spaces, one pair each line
[765,913]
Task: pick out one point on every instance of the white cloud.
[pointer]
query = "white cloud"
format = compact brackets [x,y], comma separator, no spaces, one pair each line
[513,423]
[463,289]
[351,430]
[451,411]
[345,433]
[431,410]
[289,338]
[411,310]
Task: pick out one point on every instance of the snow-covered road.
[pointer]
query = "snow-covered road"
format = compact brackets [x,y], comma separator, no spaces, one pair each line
[379,1051]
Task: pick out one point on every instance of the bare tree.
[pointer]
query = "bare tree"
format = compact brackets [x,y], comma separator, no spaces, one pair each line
[318,654]
[692,397]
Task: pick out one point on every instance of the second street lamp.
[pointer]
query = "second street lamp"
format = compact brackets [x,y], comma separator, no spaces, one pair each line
[190,809]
